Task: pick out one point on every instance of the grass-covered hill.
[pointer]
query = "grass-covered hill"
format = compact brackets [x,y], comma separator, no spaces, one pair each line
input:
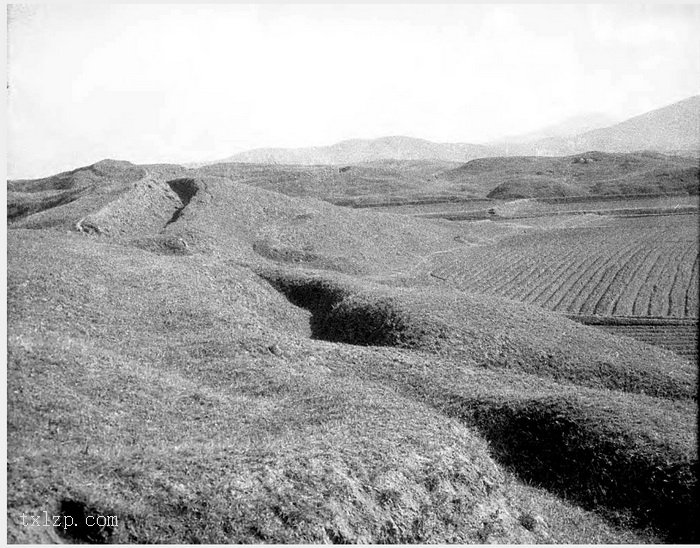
[215,362]
[26,197]
[359,182]
[379,183]
[500,178]
[590,173]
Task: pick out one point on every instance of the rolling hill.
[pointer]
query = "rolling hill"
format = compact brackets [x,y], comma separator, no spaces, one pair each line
[588,173]
[209,360]
[505,178]
[377,183]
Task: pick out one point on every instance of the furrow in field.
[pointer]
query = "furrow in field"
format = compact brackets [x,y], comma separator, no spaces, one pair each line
[514,288]
[561,294]
[579,291]
[641,300]
[676,295]
[658,299]
[614,254]
[501,273]
[457,269]
[505,267]
[552,262]
[534,295]
[500,268]
[681,339]
[624,305]
[691,293]
[467,271]
[610,287]
[607,271]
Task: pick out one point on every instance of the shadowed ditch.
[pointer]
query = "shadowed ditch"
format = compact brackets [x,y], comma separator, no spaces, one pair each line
[342,313]
[19,209]
[605,455]
[315,295]
[570,448]
[185,189]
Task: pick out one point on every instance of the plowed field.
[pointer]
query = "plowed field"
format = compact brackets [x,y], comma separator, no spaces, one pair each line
[642,266]
[678,335]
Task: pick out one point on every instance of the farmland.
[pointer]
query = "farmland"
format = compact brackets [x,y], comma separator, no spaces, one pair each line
[614,266]
[486,208]
[678,335]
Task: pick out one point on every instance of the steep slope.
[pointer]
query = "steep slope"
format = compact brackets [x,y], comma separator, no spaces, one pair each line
[105,178]
[115,198]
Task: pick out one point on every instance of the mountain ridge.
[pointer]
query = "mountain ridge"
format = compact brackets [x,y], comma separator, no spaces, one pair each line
[350,151]
[568,127]
[673,128]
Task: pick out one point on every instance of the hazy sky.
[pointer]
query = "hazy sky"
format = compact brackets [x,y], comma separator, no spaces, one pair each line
[185,82]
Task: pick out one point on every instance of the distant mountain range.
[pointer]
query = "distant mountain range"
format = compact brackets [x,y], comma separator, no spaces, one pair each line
[672,129]
[365,150]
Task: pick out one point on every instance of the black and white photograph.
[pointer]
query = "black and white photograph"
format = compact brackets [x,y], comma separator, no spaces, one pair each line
[354,273]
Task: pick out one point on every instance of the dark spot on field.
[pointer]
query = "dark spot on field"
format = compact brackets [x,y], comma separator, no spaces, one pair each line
[527,521]
[85,528]
[336,537]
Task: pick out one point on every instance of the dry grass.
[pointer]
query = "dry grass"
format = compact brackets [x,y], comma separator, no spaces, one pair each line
[392,182]
[615,455]
[156,375]
[498,334]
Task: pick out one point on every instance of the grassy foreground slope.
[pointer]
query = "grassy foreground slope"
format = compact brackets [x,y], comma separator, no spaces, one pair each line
[222,364]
